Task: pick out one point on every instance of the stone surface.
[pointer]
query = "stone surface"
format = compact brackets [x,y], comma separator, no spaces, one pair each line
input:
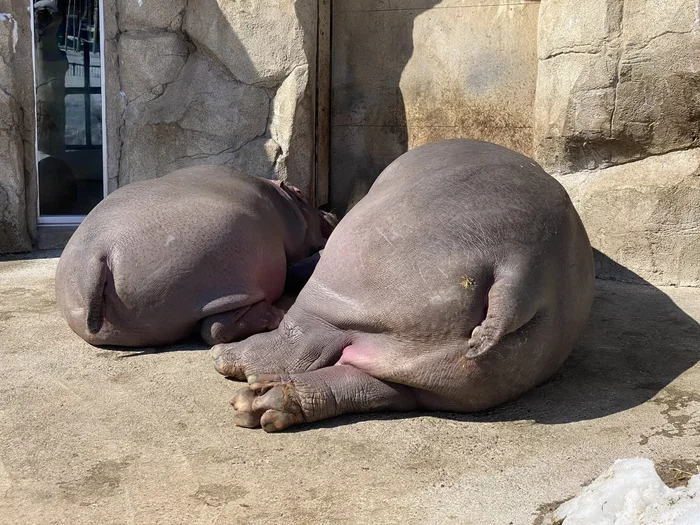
[16,219]
[235,87]
[408,73]
[194,114]
[204,81]
[150,14]
[645,215]
[617,81]
[291,128]
[94,435]
[14,235]
[259,42]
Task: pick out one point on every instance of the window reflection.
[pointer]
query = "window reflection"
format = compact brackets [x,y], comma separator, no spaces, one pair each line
[68,105]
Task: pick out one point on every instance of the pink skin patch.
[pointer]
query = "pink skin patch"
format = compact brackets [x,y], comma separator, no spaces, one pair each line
[362,355]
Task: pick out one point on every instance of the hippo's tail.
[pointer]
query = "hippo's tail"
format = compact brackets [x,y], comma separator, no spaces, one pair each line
[95,281]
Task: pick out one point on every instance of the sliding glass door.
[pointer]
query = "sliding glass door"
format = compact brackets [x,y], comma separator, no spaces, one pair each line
[70,134]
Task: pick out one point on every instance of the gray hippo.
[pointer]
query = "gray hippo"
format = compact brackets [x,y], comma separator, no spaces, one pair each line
[203,247]
[461,280]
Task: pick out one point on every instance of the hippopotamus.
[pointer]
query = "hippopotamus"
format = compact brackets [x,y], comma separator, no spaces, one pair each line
[460,281]
[204,247]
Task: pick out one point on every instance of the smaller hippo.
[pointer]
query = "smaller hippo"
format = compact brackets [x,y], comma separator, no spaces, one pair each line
[203,247]
[461,280]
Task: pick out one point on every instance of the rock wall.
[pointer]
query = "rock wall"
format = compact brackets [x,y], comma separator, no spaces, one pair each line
[188,82]
[408,72]
[213,82]
[605,94]
[617,118]
[17,186]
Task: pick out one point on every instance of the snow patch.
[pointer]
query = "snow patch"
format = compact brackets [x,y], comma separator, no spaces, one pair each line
[7,17]
[632,493]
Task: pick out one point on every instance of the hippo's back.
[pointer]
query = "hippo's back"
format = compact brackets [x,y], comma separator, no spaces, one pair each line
[437,228]
[175,249]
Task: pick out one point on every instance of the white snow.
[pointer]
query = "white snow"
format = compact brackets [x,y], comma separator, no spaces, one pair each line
[632,493]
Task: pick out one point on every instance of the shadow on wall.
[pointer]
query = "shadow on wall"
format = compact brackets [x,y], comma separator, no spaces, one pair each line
[371,48]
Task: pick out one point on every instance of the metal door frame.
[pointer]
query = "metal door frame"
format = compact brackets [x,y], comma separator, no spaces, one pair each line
[71,220]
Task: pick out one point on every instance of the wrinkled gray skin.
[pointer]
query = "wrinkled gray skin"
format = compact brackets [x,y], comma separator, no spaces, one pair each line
[461,280]
[204,247]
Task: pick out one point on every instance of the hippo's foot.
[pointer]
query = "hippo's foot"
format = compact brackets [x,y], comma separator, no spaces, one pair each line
[240,323]
[313,396]
[289,349]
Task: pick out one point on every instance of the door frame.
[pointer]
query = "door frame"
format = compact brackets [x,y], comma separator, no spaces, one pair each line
[71,220]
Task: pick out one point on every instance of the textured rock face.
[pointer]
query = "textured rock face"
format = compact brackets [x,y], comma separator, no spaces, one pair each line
[409,72]
[15,219]
[606,97]
[645,215]
[187,82]
[228,82]
[618,81]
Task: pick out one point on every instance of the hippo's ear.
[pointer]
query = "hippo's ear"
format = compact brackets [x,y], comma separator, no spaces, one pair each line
[293,191]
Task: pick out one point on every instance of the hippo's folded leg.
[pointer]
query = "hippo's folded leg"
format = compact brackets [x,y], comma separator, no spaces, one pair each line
[293,347]
[240,323]
[317,395]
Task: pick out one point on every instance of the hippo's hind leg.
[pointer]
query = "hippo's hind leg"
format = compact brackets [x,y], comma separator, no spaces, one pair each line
[320,394]
[240,323]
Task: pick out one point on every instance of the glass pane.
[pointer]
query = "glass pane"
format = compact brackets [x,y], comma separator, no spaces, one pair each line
[75,120]
[96,118]
[69,105]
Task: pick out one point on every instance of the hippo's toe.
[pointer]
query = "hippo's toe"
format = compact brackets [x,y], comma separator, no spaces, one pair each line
[225,362]
[242,403]
[274,407]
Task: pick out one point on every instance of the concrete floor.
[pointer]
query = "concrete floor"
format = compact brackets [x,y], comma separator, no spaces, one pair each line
[90,435]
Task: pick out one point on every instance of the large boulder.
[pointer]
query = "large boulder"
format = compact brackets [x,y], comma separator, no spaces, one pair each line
[645,215]
[617,81]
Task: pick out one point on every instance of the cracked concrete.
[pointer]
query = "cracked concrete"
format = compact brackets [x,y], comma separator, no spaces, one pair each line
[94,435]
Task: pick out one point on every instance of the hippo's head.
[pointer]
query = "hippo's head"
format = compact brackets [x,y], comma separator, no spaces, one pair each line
[319,224]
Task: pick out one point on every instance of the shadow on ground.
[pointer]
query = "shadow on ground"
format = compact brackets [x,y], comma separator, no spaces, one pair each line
[637,342]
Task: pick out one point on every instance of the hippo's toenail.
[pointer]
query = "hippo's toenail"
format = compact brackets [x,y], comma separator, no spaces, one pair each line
[252,379]
[221,366]
[216,351]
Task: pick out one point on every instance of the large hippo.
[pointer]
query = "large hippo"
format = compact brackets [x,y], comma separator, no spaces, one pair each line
[461,280]
[203,247]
